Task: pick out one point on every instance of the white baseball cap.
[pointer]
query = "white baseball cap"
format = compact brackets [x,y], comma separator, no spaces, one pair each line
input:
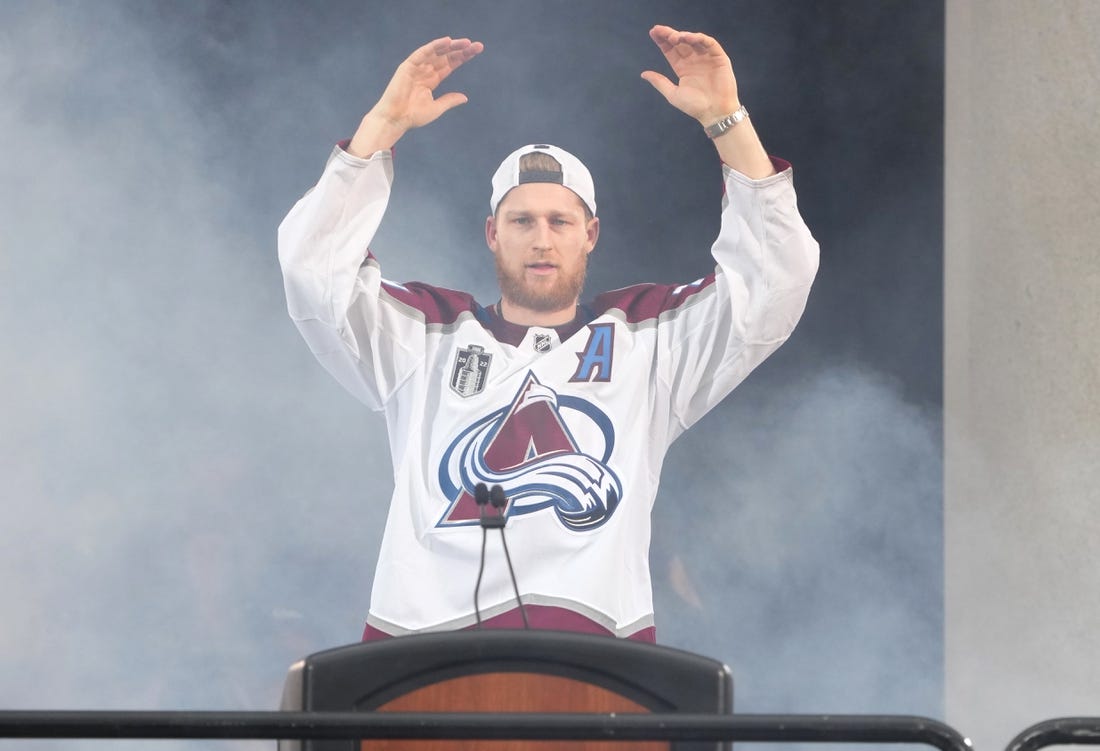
[574,175]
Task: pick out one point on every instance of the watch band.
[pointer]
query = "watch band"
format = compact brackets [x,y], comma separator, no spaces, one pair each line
[726,123]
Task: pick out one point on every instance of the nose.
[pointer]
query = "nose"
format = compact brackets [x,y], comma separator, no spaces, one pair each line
[542,240]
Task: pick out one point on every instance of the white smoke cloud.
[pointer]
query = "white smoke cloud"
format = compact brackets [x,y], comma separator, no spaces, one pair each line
[162,473]
[818,502]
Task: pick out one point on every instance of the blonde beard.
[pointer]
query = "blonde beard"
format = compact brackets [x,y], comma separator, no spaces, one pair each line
[562,295]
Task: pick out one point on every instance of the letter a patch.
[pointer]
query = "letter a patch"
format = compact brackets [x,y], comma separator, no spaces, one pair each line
[595,360]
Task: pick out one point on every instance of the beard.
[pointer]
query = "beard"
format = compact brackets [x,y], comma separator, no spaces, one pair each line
[562,294]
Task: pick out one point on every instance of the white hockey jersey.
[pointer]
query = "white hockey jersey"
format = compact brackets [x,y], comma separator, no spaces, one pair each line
[572,422]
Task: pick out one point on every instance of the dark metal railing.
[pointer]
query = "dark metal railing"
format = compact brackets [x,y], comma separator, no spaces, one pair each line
[1061,731]
[481,726]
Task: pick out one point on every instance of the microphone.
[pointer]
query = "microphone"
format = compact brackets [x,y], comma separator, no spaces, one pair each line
[494,496]
[481,496]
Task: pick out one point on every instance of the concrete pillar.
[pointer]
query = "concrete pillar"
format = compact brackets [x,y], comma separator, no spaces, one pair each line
[1022,364]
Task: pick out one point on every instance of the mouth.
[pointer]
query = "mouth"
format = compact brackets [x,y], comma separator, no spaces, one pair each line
[541,268]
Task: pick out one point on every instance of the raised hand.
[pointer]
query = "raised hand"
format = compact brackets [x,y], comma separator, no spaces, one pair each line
[409,100]
[706,88]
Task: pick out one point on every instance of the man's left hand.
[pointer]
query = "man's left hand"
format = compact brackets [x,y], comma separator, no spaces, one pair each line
[707,88]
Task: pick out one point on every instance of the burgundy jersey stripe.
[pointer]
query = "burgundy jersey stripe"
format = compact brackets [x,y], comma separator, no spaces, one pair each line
[439,305]
[543,617]
[644,302]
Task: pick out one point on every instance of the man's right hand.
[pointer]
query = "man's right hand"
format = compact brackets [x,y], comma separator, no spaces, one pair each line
[408,101]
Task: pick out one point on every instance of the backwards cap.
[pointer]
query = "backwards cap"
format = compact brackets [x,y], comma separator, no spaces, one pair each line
[573,175]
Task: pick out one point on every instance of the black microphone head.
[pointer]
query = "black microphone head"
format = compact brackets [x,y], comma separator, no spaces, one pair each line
[496,496]
[481,494]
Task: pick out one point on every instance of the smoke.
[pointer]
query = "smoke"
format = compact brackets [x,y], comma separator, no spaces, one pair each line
[166,485]
[817,501]
[191,504]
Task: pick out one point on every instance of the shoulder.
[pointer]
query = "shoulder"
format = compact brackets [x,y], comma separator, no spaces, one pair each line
[642,302]
[437,305]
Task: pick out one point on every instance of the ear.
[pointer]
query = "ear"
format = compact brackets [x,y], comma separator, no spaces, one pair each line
[491,234]
[592,230]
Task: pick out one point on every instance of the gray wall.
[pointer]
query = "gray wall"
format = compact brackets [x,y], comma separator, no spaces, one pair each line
[1022,358]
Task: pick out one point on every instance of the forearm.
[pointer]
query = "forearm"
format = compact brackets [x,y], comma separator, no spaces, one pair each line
[767,255]
[323,240]
[334,290]
[766,260]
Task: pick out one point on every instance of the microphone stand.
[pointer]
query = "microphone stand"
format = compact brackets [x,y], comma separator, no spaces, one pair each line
[483,496]
[499,501]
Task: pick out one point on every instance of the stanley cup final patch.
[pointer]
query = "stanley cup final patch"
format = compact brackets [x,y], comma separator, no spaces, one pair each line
[470,371]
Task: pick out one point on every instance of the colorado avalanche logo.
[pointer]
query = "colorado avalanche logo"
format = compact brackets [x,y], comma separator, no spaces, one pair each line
[528,449]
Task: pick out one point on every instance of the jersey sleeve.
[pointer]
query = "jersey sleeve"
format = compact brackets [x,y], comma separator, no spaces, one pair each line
[368,339]
[727,324]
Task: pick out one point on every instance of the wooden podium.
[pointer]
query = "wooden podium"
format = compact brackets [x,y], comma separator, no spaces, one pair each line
[506,671]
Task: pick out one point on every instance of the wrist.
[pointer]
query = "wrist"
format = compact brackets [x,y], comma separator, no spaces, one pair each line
[375,133]
[723,124]
[719,107]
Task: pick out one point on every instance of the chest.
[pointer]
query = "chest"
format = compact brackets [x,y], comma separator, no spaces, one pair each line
[605,360]
[551,394]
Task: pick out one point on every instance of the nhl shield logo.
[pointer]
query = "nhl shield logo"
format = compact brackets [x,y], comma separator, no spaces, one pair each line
[471,370]
[542,342]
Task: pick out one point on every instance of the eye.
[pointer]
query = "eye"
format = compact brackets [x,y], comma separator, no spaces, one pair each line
[522,220]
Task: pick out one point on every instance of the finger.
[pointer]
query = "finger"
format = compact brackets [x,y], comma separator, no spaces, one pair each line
[661,83]
[464,52]
[677,45]
[660,31]
[443,45]
[450,59]
[701,43]
[437,107]
[445,48]
[449,101]
[432,49]
[660,36]
[447,45]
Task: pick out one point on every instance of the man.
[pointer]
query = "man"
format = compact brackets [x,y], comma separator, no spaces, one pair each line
[569,408]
